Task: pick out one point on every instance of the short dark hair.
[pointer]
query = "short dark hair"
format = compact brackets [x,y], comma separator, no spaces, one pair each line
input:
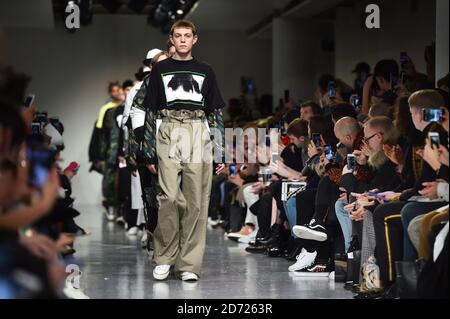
[316,109]
[324,80]
[127,83]
[112,84]
[385,68]
[343,110]
[298,128]
[183,24]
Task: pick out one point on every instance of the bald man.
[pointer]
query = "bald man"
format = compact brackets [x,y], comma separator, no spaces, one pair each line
[347,130]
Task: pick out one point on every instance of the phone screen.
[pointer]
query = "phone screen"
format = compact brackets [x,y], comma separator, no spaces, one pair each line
[41,161]
[332,89]
[351,162]
[28,100]
[316,139]
[434,138]
[232,169]
[432,114]
[328,152]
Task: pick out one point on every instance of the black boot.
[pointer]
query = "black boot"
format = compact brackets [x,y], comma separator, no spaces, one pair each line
[274,236]
[295,249]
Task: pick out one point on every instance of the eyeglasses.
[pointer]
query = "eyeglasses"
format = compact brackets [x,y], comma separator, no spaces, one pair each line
[366,140]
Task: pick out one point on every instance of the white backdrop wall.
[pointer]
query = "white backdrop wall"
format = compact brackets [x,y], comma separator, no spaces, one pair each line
[70,73]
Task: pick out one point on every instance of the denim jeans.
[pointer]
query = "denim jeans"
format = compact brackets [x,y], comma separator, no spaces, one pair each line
[345,222]
[290,207]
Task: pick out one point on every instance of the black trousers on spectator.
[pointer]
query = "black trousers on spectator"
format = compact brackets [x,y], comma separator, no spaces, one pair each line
[263,211]
[389,238]
[216,196]
[229,187]
[389,232]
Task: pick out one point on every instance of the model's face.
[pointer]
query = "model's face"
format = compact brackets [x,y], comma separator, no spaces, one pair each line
[117,93]
[183,40]
[127,90]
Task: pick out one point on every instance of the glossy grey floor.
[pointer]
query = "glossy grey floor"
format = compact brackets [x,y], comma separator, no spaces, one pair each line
[114,266]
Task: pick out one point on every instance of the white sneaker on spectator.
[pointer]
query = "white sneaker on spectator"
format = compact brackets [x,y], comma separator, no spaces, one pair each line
[304,259]
[74,293]
[248,238]
[245,231]
[161,272]
[188,276]
[133,231]
[212,222]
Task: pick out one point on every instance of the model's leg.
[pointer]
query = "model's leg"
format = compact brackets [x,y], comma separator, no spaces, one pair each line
[170,199]
[197,178]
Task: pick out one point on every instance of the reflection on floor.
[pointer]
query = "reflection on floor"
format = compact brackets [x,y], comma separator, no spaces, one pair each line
[114,266]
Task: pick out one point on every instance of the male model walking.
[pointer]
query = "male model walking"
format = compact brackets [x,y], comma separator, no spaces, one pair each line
[185,94]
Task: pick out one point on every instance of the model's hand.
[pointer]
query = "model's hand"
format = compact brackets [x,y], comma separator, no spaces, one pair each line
[152,168]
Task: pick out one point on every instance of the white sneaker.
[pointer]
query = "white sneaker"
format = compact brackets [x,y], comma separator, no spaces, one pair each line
[133,231]
[212,222]
[248,238]
[74,293]
[304,259]
[161,272]
[188,276]
[110,215]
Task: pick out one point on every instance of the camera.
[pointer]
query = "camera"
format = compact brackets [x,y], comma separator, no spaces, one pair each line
[432,114]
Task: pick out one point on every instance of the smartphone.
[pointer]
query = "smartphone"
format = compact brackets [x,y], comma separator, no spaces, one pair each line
[355,100]
[351,162]
[328,152]
[232,169]
[377,196]
[432,114]
[41,161]
[35,128]
[434,138]
[331,89]
[316,139]
[29,100]
[274,157]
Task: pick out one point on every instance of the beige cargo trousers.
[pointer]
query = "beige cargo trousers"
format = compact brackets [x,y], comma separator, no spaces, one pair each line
[184,151]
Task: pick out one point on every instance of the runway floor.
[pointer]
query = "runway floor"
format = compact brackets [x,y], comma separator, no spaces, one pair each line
[114,266]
